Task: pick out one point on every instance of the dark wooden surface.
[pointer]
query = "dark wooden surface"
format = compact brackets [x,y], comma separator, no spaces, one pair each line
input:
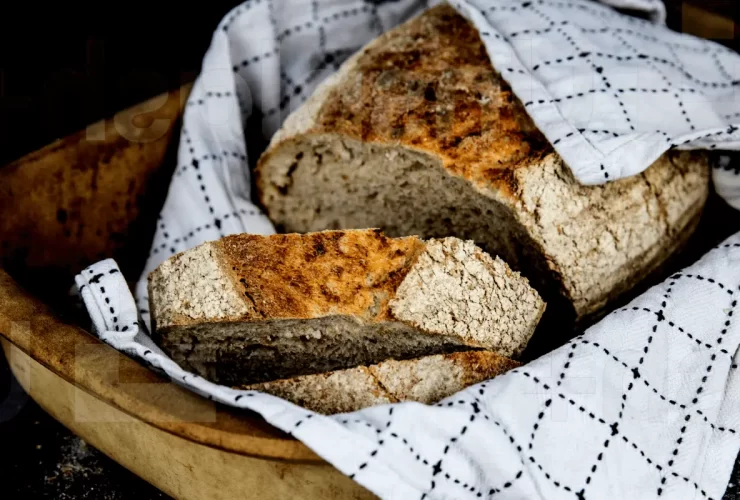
[66,65]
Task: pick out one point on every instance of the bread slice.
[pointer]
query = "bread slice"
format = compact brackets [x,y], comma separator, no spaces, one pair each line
[250,308]
[418,134]
[425,380]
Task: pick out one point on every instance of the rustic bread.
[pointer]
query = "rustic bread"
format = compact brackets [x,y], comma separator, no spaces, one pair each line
[250,308]
[418,134]
[424,380]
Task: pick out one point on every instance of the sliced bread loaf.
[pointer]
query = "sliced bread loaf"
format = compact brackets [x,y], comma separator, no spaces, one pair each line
[418,134]
[250,308]
[424,380]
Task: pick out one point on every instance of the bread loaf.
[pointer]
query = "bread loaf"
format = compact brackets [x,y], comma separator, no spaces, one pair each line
[424,380]
[418,134]
[248,308]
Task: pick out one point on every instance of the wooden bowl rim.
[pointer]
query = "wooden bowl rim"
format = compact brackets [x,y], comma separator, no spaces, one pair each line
[82,359]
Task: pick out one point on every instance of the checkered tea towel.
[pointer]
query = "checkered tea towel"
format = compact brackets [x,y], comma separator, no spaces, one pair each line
[645,404]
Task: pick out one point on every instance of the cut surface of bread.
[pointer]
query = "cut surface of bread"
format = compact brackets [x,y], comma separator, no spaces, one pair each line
[418,134]
[251,308]
[425,380]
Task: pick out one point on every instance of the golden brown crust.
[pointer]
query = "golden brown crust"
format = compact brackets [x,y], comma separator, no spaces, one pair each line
[424,380]
[429,85]
[481,365]
[318,274]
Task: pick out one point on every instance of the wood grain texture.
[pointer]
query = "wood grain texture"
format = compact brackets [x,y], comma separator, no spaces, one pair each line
[92,195]
[118,380]
[180,467]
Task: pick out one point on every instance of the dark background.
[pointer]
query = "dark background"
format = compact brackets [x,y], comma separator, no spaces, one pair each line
[64,66]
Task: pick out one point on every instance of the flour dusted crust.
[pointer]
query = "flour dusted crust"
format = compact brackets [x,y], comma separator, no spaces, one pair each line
[251,308]
[284,276]
[457,289]
[422,108]
[425,380]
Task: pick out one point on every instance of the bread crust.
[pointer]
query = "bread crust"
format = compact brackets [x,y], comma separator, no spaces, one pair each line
[428,86]
[248,309]
[424,380]
[292,276]
[447,288]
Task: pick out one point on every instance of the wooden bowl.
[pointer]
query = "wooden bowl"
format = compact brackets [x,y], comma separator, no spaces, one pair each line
[93,195]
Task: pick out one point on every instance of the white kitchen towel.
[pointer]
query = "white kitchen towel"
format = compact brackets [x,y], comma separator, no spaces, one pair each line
[644,404]
[610,92]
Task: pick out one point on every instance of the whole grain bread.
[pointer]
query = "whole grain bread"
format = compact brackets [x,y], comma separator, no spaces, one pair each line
[425,380]
[418,134]
[251,308]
